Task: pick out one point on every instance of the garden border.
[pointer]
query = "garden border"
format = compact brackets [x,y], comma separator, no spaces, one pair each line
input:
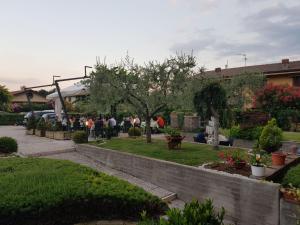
[246,201]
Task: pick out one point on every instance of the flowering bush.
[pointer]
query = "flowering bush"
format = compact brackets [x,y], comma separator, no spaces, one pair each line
[259,158]
[234,158]
[272,96]
[281,101]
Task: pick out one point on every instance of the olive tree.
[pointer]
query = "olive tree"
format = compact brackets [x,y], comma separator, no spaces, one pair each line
[211,101]
[5,98]
[149,89]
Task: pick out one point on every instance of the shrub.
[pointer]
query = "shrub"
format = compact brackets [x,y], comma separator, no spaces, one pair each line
[41,125]
[246,133]
[8,145]
[271,137]
[235,132]
[134,131]
[48,192]
[193,213]
[292,177]
[172,132]
[31,124]
[11,118]
[58,126]
[80,137]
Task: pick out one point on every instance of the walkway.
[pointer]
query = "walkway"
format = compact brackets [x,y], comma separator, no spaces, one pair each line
[30,145]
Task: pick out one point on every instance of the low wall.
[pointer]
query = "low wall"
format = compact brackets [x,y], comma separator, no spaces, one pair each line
[191,123]
[289,213]
[246,201]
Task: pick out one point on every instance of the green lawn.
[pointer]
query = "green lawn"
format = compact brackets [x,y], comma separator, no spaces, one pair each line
[190,154]
[291,136]
[46,191]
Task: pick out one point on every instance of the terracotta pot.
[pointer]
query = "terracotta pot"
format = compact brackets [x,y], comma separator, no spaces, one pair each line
[258,171]
[278,159]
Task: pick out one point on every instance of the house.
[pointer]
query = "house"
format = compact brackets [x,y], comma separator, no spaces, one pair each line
[19,97]
[285,73]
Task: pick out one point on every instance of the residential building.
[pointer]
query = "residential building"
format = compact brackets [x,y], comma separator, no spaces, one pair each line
[19,97]
[285,73]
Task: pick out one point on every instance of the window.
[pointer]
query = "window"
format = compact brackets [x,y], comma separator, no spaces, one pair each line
[296,81]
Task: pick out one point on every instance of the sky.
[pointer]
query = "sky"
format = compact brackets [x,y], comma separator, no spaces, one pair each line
[42,38]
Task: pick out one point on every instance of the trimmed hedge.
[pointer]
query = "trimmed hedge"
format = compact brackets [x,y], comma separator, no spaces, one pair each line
[11,118]
[48,192]
[292,177]
[8,145]
[134,132]
[80,137]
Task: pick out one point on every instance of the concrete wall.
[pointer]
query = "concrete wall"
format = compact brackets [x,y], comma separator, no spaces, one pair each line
[289,213]
[191,123]
[246,201]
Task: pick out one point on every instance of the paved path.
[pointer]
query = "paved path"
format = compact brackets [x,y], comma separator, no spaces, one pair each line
[30,145]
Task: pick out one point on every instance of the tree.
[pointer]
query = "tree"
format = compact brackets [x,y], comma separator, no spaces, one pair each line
[5,98]
[281,102]
[241,89]
[209,102]
[149,89]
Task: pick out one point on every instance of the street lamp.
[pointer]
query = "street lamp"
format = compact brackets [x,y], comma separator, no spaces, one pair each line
[54,77]
[85,67]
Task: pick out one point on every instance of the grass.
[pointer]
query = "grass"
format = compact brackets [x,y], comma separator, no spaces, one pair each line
[46,191]
[291,136]
[190,154]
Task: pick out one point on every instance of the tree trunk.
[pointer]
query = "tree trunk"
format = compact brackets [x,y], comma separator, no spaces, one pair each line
[148,129]
[215,119]
[216,131]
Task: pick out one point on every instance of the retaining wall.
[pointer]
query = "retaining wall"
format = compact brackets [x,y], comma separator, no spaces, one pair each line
[289,213]
[246,201]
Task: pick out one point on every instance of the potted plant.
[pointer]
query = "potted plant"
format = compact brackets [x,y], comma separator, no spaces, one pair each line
[271,137]
[234,158]
[173,138]
[40,128]
[31,125]
[59,133]
[258,161]
[49,133]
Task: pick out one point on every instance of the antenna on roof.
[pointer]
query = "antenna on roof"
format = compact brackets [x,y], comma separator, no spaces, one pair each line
[226,65]
[245,57]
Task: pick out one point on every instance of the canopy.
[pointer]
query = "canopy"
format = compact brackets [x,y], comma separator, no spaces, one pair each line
[74,90]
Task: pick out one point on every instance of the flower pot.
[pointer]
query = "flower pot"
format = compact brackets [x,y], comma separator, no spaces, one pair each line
[62,135]
[278,159]
[258,171]
[40,133]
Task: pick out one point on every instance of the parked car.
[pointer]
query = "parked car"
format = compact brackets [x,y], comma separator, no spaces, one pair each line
[51,117]
[37,114]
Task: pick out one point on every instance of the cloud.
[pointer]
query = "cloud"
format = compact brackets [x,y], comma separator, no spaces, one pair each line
[275,32]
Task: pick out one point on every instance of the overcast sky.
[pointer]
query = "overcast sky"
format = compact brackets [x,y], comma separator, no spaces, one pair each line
[41,38]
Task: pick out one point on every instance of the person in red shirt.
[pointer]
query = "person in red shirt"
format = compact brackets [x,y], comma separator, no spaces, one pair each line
[160,121]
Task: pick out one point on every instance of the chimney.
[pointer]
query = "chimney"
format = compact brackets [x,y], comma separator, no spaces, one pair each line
[218,70]
[285,63]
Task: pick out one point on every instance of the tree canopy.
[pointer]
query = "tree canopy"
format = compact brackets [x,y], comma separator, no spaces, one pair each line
[149,89]
[5,98]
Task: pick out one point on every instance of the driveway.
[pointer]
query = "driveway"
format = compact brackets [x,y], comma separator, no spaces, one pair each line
[30,145]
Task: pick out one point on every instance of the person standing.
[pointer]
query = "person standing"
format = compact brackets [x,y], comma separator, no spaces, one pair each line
[160,122]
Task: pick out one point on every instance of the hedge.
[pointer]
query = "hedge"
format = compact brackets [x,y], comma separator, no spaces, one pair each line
[11,118]
[292,177]
[48,192]
[8,145]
